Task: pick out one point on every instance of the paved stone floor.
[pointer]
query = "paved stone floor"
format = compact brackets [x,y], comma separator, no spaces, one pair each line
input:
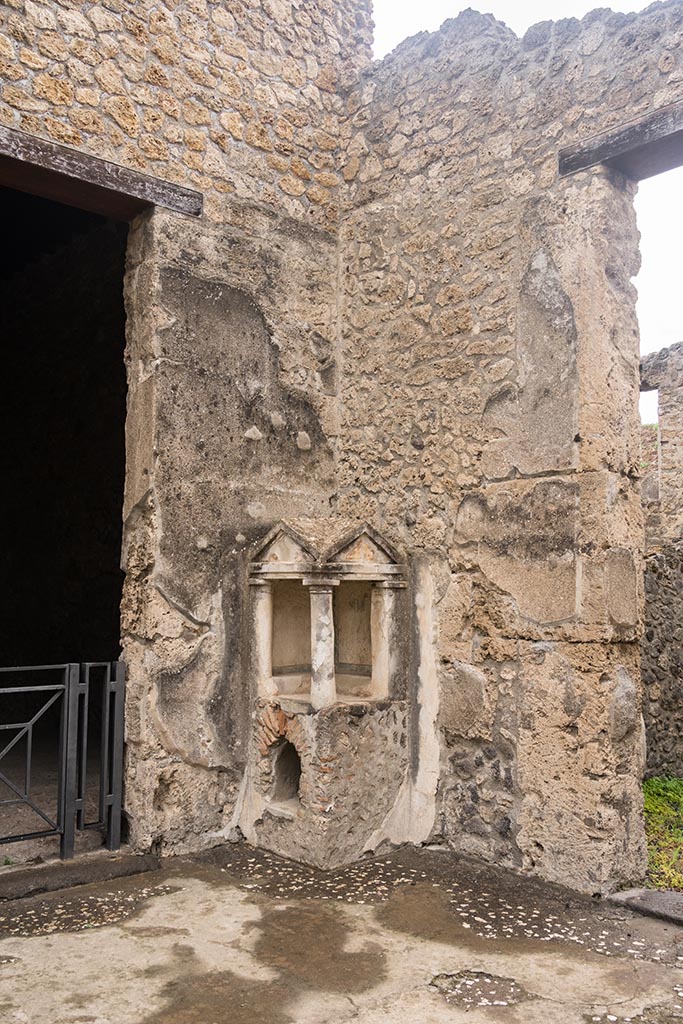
[416,937]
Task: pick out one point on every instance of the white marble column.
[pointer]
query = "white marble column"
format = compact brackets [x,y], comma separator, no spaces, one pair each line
[262,618]
[323,683]
[381,628]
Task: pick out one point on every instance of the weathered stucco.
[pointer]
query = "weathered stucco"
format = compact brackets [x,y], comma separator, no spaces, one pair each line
[393,311]
[191,514]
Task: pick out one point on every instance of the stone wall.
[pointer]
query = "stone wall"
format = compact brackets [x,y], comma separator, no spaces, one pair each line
[231,425]
[649,465]
[662,660]
[662,489]
[239,100]
[353,760]
[663,372]
[490,384]
[394,311]
[232,376]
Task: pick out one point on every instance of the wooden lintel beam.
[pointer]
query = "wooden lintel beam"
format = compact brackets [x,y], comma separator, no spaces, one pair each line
[639,149]
[51,171]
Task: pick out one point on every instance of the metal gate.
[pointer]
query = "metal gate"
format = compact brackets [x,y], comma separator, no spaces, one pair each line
[83,696]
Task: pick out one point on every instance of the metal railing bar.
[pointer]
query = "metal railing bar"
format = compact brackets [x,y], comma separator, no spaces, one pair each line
[29,755]
[13,743]
[45,707]
[82,746]
[118,689]
[26,800]
[74,691]
[82,823]
[29,835]
[61,762]
[31,689]
[66,846]
[35,668]
[104,751]
[25,726]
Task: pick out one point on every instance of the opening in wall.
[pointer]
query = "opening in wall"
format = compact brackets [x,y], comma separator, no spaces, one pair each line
[63,409]
[291,637]
[650,451]
[62,466]
[323,621]
[649,409]
[660,318]
[286,773]
[353,638]
[659,209]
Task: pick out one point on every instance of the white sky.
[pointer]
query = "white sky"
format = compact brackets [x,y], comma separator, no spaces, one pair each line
[660,200]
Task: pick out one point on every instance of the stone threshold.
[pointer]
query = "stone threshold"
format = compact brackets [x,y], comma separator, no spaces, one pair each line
[664,904]
[98,866]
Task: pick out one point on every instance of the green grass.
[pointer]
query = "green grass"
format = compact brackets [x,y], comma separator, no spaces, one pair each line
[664,830]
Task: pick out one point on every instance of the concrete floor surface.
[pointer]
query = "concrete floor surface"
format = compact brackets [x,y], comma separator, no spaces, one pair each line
[416,937]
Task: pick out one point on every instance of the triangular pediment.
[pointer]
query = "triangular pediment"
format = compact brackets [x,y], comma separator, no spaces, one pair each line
[285,549]
[299,547]
[364,546]
[284,545]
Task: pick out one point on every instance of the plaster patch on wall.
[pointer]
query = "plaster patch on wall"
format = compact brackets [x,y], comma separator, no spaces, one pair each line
[181,706]
[412,817]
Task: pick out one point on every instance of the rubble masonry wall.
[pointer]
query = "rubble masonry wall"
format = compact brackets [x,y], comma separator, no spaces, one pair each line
[392,310]
[662,646]
[490,386]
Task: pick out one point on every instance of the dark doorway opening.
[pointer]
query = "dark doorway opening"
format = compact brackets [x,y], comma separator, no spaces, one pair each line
[62,458]
[286,773]
[62,417]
